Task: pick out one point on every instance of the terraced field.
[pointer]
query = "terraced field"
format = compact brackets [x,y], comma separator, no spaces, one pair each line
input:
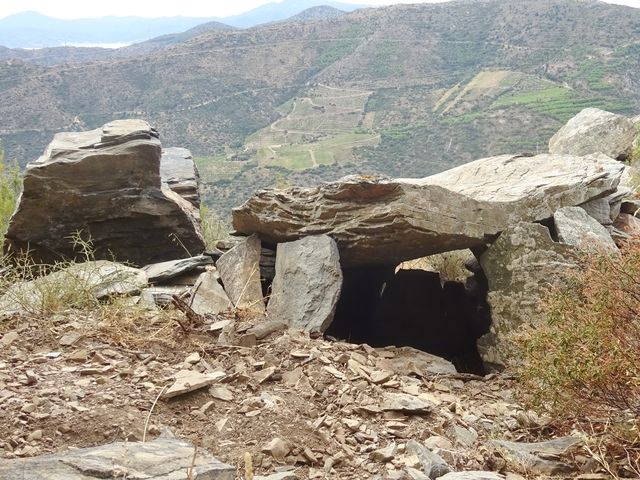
[321,128]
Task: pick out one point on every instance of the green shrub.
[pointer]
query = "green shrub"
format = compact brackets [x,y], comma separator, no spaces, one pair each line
[584,365]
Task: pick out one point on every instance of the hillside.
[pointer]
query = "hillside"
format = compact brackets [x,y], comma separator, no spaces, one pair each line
[404,90]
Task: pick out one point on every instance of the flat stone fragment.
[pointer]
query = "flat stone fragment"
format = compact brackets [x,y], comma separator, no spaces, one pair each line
[408,360]
[521,266]
[106,184]
[164,271]
[277,476]
[531,454]
[593,130]
[402,402]
[432,464]
[160,459]
[307,284]
[385,222]
[239,270]
[161,296]
[576,227]
[472,475]
[190,380]
[208,296]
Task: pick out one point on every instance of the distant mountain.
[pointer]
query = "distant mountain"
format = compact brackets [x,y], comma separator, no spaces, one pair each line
[33,30]
[274,12]
[321,12]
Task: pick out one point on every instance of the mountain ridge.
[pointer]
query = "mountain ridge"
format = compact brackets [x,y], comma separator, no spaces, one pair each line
[407,90]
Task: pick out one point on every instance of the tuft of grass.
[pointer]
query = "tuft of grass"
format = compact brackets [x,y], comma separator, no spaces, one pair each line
[213,228]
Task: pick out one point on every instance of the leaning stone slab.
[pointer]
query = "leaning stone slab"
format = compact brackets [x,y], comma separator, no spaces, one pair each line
[106,184]
[307,284]
[384,222]
[164,271]
[239,270]
[593,130]
[538,457]
[160,459]
[96,279]
[208,296]
[432,464]
[521,266]
[576,227]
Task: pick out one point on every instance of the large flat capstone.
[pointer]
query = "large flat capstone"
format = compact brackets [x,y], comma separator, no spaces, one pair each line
[106,184]
[378,222]
[161,459]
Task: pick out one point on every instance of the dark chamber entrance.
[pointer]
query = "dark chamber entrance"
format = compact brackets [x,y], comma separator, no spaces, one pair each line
[414,308]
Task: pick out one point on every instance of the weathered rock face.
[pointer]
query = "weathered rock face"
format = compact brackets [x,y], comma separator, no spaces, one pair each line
[179,172]
[575,227]
[520,266]
[105,183]
[593,130]
[384,222]
[307,284]
[239,270]
[163,458]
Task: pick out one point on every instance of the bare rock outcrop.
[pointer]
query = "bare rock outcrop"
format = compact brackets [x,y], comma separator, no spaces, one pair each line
[593,130]
[383,222]
[106,184]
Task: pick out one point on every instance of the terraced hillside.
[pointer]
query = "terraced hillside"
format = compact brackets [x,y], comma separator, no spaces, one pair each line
[403,90]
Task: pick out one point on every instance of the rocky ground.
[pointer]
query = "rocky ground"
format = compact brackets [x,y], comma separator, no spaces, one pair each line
[315,407]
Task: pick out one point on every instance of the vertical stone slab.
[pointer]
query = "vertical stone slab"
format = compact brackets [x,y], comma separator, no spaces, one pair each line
[521,266]
[307,284]
[208,296]
[239,270]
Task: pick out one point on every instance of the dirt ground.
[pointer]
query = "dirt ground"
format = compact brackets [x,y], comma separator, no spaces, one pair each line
[314,406]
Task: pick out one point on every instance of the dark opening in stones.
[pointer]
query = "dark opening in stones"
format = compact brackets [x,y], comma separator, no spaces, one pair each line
[384,306]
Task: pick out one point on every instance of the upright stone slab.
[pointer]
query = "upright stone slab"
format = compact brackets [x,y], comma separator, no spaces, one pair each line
[160,459]
[307,284]
[106,184]
[593,130]
[239,270]
[521,266]
[385,222]
[180,173]
[576,227]
[208,296]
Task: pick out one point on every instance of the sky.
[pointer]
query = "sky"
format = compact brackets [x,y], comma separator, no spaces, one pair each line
[158,8]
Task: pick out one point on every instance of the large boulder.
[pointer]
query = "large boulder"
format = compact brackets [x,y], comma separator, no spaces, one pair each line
[307,284]
[384,222]
[106,184]
[593,130]
[521,266]
[179,172]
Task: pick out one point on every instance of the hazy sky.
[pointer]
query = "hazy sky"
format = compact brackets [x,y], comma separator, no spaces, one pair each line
[158,8]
